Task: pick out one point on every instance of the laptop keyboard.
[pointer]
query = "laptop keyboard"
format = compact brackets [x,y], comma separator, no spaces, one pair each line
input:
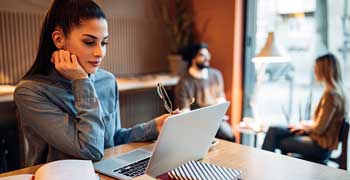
[135,169]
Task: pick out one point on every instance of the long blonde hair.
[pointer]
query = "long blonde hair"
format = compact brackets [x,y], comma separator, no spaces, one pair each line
[327,68]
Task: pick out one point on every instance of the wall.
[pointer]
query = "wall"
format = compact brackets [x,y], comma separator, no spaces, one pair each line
[137,43]
[224,35]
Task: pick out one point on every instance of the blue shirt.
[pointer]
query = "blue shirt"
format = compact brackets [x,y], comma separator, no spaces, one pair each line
[63,119]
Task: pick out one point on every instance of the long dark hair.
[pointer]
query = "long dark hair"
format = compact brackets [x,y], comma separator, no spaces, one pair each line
[64,14]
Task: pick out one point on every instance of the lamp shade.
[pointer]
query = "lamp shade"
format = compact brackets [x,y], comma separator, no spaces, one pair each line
[272,52]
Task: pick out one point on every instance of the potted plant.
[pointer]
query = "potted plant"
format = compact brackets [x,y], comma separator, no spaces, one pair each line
[179,21]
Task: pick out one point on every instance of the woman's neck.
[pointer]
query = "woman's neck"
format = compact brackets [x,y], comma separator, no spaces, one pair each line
[328,87]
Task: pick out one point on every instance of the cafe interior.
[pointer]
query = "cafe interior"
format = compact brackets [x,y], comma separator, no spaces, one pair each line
[266,51]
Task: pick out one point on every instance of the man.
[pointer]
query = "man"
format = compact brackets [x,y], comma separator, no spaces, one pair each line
[201,85]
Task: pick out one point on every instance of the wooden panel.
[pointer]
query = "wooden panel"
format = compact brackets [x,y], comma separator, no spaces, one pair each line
[137,47]
[19,33]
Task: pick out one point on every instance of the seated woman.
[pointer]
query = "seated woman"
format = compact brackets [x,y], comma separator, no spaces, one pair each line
[69,108]
[317,138]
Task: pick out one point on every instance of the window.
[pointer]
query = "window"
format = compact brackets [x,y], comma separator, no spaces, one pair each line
[305,29]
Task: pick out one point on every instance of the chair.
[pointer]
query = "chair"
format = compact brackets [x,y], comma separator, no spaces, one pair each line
[225,132]
[341,160]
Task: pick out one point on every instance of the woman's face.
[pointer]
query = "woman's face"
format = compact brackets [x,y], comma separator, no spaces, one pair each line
[317,73]
[88,42]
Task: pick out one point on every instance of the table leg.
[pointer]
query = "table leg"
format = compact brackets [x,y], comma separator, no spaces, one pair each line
[255,136]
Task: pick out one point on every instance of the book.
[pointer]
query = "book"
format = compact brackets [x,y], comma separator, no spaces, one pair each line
[196,170]
[58,170]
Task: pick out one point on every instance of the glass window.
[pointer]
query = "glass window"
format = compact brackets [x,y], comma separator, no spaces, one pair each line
[303,30]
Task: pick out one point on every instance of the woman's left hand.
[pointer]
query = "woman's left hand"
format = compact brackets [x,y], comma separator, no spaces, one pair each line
[161,119]
[298,130]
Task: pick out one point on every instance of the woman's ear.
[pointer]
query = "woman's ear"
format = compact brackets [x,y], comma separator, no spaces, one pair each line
[58,38]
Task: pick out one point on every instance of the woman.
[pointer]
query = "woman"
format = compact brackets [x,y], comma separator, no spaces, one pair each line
[317,138]
[69,108]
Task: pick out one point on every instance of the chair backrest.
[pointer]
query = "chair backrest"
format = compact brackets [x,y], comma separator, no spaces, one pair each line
[343,131]
[343,137]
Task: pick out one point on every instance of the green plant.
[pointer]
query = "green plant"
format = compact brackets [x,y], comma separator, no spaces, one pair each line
[178,18]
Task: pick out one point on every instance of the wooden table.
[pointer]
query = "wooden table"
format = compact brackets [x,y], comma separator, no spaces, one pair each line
[254,163]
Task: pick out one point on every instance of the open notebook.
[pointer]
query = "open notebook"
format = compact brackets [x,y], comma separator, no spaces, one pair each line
[58,170]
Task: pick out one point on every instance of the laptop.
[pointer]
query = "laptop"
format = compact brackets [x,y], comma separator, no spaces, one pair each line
[184,137]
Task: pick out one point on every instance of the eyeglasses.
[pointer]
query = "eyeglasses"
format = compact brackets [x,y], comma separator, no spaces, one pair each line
[164,96]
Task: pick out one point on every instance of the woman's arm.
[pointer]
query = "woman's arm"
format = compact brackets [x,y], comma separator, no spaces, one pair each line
[141,132]
[325,114]
[81,136]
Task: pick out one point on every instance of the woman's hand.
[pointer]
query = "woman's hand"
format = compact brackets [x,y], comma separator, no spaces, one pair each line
[161,119]
[307,124]
[298,129]
[67,65]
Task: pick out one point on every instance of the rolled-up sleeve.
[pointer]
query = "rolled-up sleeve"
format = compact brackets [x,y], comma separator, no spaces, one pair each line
[141,132]
[81,136]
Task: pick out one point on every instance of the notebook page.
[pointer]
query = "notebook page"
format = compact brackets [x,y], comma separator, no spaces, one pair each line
[18,177]
[67,169]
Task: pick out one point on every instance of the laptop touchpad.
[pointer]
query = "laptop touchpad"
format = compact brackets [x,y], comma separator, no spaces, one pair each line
[135,155]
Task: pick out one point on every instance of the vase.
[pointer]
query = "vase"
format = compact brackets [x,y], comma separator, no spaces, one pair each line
[177,66]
